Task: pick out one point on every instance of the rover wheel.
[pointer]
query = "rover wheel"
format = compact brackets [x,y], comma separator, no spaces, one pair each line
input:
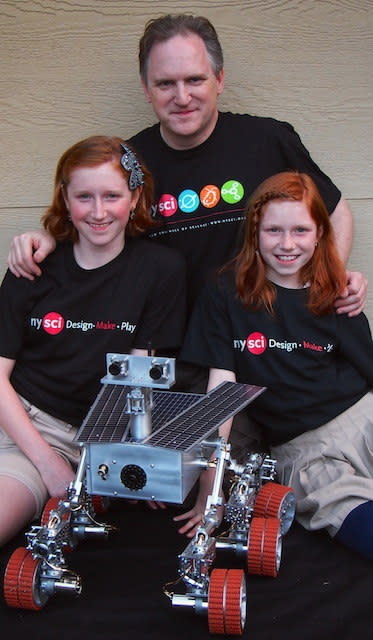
[227,601]
[11,577]
[276,501]
[21,589]
[264,546]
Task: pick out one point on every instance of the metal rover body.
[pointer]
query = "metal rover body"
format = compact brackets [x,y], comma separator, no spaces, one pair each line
[148,443]
[141,442]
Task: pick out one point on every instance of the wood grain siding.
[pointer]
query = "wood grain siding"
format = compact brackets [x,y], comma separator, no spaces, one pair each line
[69,69]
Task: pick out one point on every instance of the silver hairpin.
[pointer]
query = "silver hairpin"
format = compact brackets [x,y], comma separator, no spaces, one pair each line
[130,163]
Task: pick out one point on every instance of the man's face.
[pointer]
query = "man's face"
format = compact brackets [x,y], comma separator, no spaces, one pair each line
[183,89]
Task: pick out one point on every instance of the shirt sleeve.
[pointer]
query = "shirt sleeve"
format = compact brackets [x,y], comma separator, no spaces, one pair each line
[16,296]
[295,156]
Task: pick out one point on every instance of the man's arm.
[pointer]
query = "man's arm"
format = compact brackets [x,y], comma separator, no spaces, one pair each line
[353,299]
[342,223]
[27,251]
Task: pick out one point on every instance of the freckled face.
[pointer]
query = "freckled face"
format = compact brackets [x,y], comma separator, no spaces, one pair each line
[183,89]
[287,238]
[99,203]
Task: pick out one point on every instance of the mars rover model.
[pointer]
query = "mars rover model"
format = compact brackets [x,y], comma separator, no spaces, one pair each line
[140,441]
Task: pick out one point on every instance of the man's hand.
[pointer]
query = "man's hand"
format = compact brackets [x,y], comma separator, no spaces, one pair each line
[352,300]
[27,251]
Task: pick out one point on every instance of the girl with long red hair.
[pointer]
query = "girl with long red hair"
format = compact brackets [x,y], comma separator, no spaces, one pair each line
[268,319]
[104,289]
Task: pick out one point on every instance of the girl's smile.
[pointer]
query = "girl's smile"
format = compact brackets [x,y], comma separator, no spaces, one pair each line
[287,239]
[99,204]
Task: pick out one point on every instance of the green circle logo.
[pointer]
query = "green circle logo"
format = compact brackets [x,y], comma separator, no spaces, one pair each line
[232,191]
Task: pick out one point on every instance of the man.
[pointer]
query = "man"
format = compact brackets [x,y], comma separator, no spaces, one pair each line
[205,163]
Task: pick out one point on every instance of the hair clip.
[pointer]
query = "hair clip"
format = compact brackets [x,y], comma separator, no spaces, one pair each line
[130,163]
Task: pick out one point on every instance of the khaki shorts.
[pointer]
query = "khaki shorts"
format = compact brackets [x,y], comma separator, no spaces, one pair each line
[330,468]
[14,463]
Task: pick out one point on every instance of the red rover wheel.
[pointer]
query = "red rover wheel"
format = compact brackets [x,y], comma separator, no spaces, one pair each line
[227,601]
[276,501]
[20,581]
[11,577]
[264,546]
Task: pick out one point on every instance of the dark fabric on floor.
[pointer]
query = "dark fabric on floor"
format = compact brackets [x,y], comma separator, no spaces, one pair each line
[323,590]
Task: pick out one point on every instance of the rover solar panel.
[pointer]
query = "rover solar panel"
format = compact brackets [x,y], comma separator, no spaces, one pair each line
[166,464]
[204,416]
[108,422]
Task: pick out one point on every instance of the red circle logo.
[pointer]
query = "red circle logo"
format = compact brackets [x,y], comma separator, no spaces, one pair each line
[256,343]
[53,322]
[167,205]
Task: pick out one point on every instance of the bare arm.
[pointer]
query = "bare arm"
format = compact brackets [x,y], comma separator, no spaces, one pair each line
[141,352]
[353,298]
[216,377]
[27,251]
[195,515]
[342,223]
[55,472]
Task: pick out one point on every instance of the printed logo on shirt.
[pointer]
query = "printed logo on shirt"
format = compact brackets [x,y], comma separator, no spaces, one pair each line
[53,323]
[232,191]
[189,200]
[209,196]
[257,343]
[167,205]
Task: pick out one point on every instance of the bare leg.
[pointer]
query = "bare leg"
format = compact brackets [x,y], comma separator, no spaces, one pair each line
[17,507]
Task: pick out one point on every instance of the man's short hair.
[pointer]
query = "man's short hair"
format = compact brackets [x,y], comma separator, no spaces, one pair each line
[170,25]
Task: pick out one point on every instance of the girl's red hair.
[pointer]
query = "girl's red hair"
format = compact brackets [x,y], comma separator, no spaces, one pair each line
[92,152]
[325,271]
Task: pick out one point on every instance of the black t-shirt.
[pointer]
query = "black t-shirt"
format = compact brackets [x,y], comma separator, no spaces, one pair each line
[314,367]
[201,193]
[59,327]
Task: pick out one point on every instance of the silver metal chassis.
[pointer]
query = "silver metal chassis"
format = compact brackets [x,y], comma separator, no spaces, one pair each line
[168,475]
[134,468]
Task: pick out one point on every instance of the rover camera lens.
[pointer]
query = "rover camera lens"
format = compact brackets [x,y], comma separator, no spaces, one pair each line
[115,368]
[156,372]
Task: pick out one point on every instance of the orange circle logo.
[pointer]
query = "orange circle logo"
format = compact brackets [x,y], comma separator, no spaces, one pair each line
[209,196]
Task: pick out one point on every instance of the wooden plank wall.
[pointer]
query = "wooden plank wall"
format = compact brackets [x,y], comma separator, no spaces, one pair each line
[69,69]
